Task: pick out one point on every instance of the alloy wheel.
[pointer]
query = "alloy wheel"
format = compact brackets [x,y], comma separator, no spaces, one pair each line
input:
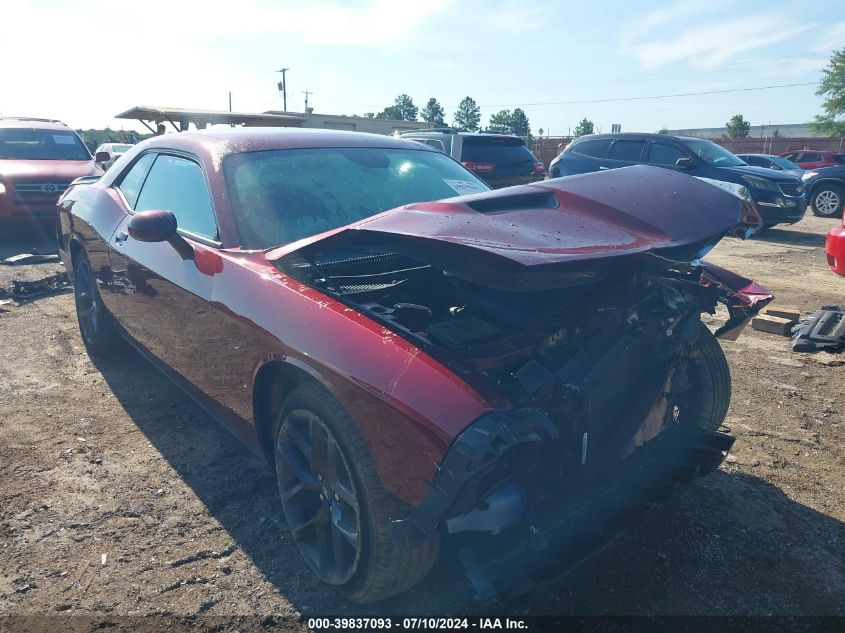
[319,498]
[87,300]
[827,202]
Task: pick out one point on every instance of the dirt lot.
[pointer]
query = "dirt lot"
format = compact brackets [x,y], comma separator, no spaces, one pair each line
[118,496]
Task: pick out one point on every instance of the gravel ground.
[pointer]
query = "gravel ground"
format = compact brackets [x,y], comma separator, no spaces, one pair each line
[121,497]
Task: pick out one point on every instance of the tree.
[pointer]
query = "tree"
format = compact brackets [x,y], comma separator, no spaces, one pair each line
[403,109]
[433,112]
[738,127]
[390,112]
[832,87]
[663,130]
[468,115]
[407,109]
[519,123]
[501,121]
[585,126]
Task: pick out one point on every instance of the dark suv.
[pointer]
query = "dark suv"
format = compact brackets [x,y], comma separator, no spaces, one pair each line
[500,160]
[38,160]
[779,198]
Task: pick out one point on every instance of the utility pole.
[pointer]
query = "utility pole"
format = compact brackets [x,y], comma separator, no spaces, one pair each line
[230,101]
[283,87]
[306,93]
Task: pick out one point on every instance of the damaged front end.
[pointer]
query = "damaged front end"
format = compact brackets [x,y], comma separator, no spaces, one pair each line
[578,306]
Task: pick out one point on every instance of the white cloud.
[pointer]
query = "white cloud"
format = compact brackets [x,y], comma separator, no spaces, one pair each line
[714,44]
[680,11]
[831,38]
[369,24]
[100,57]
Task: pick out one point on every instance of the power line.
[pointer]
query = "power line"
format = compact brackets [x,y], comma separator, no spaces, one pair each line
[667,96]
[614,99]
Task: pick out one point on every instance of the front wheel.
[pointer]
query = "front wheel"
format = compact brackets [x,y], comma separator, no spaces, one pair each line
[705,403]
[96,326]
[827,201]
[335,506]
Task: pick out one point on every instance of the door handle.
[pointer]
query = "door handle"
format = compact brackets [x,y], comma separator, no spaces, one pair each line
[121,237]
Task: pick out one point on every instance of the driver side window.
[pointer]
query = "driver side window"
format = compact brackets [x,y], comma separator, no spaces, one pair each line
[178,185]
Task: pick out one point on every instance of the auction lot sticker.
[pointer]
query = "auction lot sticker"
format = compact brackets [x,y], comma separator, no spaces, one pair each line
[464,187]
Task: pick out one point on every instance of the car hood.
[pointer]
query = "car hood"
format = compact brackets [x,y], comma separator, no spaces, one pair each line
[32,170]
[761,172]
[567,227]
[829,172]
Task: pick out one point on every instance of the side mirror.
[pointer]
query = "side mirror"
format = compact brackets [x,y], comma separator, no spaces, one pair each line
[102,157]
[685,163]
[159,226]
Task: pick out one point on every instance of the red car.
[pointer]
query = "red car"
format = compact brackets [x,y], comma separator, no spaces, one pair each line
[813,159]
[505,363]
[835,249]
[38,160]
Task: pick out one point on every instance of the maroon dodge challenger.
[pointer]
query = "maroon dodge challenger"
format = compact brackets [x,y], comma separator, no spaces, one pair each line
[414,354]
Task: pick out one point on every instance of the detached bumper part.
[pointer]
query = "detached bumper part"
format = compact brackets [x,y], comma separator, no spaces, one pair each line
[556,537]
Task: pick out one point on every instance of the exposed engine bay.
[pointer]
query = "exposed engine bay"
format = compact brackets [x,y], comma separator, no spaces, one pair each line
[597,356]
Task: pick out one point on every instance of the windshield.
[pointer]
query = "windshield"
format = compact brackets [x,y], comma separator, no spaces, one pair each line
[280,196]
[17,143]
[120,149]
[783,163]
[713,154]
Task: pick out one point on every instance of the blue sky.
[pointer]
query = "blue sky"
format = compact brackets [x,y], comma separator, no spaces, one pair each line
[83,62]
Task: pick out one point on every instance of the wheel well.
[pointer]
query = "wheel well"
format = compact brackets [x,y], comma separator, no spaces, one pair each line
[826,181]
[75,248]
[272,384]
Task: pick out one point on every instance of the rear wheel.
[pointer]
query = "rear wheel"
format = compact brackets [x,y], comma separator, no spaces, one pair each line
[96,326]
[827,200]
[335,506]
[706,401]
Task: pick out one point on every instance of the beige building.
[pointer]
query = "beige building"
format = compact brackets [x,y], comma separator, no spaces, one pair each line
[367,123]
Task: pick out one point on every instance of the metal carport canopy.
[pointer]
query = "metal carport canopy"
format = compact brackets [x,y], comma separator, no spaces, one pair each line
[202,118]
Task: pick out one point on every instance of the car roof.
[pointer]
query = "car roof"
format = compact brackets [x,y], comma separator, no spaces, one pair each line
[637,135]
[825,152]
[32,123]
[225,140]
[759,155]
[442,132]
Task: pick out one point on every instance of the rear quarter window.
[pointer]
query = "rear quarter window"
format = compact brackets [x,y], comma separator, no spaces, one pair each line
[499,151]
[597,148]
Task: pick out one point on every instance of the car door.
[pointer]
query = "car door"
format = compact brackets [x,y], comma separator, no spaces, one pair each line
[664,154]
[161,299]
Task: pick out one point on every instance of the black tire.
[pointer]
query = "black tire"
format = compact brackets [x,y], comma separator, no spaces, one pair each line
[383,567]
[96,325]
[709,395]
[827,200]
